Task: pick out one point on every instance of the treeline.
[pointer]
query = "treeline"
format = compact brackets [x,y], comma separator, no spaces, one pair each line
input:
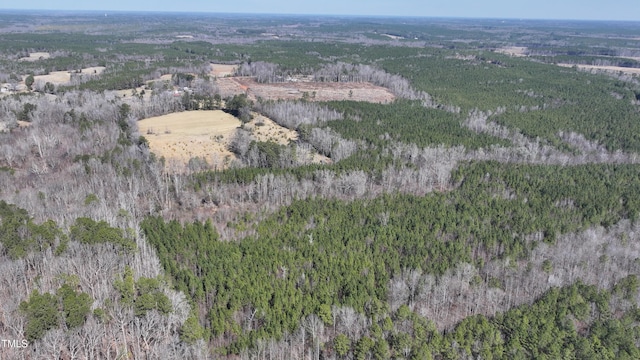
[400,167]
[398,85]
[368,173]
[293,114]
[578,58]
[298,115]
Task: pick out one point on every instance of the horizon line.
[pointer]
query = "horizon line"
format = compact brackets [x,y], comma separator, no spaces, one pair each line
[183,12]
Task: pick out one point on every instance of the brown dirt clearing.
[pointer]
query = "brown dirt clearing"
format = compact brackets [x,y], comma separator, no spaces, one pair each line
[316,91]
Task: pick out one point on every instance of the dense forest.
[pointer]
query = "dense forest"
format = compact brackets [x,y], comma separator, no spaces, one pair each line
[380,188]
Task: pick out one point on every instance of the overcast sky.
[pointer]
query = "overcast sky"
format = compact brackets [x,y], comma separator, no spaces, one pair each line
[516,9]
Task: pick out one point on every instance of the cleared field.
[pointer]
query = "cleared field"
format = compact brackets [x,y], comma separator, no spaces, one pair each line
[55,77]
[182,136]
[206,134]
[222,70]
[36,56]
[625,70]
[394,37]
[64,77]
[518,51]
[316,91]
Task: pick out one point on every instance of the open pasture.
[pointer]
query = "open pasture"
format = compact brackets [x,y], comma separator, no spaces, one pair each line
[64,77]
[184,135]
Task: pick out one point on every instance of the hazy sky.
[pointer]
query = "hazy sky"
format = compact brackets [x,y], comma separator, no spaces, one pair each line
[530,9]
